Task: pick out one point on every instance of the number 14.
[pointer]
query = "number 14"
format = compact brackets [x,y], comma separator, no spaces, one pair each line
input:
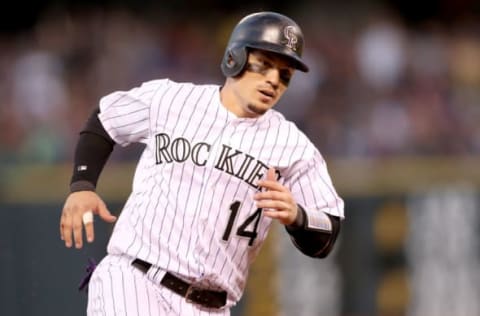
[242,230]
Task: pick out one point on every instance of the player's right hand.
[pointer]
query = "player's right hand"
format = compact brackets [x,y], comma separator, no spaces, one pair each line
[71,221]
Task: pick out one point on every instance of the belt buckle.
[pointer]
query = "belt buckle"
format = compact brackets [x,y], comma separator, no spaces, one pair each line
[190,294]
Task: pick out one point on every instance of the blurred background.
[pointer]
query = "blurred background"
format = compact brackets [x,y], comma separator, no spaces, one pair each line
[392,101]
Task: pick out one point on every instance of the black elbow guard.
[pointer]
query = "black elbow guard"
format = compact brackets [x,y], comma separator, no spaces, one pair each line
[315,243]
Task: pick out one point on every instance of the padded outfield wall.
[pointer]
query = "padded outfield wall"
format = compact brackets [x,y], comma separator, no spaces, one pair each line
[409,245]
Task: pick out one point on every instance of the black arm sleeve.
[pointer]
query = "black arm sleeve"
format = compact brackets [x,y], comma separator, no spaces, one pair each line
[313,243]
[92,151]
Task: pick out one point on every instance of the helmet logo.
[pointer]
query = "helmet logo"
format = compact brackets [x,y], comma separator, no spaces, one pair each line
[292,38]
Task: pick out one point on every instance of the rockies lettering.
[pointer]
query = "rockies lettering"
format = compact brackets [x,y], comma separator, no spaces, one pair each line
[180,149]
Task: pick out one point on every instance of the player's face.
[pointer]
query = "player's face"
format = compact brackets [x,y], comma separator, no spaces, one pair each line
[263,82]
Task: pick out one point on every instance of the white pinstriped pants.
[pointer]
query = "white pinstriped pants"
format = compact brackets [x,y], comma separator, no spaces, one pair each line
[119,289]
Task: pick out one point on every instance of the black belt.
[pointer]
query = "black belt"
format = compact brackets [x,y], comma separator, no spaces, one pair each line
[206,298]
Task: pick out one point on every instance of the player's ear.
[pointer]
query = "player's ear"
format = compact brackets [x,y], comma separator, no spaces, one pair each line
[230,61]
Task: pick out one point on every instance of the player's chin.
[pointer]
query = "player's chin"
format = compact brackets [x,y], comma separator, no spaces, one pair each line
[259,108]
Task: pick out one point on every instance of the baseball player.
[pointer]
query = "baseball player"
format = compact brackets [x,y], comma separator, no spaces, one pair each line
[218,167]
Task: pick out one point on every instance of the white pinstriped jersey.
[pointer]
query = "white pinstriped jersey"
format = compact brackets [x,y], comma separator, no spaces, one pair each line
[191,210]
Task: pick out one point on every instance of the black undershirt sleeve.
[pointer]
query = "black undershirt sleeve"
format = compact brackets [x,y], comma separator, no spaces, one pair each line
[92,151]
[313,243]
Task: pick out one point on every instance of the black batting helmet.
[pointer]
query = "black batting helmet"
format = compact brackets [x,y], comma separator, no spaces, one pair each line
[267,31]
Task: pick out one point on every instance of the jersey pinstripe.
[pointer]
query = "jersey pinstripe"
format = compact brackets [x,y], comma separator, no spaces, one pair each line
[191,210]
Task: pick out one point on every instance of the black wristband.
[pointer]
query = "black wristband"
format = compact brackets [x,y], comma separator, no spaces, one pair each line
[93,149]
[81,185]
[91,154]
[312,242]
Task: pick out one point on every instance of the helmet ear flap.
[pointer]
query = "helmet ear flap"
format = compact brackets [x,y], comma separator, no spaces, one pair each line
[234,61]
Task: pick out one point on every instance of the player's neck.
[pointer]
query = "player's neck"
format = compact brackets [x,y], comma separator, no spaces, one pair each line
[232,102]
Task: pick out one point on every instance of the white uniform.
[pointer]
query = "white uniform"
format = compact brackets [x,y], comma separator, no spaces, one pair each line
[191,210]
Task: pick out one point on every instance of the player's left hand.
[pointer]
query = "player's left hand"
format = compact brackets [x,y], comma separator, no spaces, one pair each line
[276,200]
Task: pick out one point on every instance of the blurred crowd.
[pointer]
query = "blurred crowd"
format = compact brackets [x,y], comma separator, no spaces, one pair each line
[376,88]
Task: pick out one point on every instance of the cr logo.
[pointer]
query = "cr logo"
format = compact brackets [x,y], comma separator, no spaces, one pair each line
[291,37]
